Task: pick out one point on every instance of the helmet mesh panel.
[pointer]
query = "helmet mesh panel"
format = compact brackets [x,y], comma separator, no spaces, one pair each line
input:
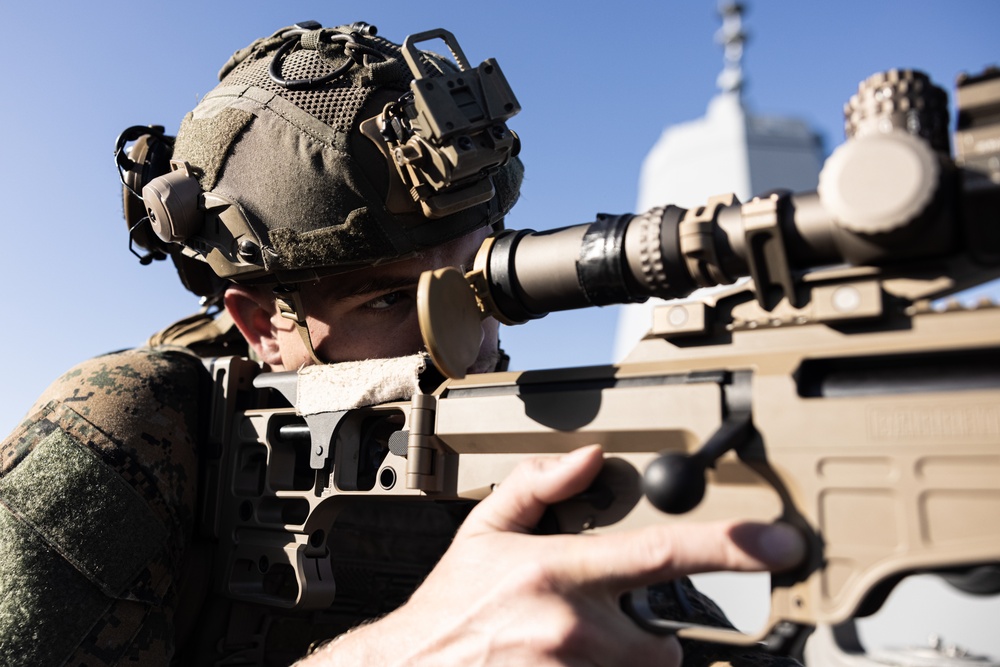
[336,103]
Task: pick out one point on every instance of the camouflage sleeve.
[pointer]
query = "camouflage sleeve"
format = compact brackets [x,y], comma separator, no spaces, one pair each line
[685,602]
[97,498]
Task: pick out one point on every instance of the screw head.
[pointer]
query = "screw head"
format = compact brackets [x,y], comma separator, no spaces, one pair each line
[248,251]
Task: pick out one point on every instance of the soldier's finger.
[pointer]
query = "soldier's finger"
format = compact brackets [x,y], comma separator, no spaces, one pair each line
[655,554]
[519,502]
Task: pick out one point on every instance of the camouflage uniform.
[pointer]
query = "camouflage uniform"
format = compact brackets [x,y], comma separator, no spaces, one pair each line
[98,492]
[100,561]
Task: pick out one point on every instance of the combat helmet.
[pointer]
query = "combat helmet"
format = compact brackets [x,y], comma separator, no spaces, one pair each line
[323,150]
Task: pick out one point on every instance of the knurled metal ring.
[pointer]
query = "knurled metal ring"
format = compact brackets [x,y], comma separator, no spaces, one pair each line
[650,251]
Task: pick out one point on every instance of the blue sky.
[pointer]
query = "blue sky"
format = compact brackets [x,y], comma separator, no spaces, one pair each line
[598,82]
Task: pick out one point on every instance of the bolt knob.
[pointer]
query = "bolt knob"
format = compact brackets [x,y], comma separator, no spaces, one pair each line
[674,483]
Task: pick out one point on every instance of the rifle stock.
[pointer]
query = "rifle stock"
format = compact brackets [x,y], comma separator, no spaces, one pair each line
[844,399]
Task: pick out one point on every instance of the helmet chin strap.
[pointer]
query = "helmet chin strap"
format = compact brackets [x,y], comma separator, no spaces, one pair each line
[290,306]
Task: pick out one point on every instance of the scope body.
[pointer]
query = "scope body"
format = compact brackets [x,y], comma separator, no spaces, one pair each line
[890,196]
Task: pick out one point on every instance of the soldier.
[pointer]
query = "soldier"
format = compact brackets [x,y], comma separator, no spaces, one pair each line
[282,189]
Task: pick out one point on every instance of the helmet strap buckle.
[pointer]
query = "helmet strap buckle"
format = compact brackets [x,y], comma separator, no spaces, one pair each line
[290,306]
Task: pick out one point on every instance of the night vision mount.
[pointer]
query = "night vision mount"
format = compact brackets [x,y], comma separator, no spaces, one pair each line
[449,133]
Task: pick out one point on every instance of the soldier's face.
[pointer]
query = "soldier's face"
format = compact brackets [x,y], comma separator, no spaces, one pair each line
[372,313]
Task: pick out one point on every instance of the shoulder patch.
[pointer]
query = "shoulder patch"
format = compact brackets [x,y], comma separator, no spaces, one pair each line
[84,511]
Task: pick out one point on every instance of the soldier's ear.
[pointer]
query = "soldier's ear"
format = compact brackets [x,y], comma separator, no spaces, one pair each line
[253,310]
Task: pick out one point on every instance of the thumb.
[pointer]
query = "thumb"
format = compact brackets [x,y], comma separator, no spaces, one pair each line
[519,502]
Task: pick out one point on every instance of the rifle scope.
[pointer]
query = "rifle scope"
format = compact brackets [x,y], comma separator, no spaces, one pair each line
[891,193]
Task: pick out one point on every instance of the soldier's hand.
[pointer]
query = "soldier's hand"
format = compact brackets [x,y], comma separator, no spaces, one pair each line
[503,596]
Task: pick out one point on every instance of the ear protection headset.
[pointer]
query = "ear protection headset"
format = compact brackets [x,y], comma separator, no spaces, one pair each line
[165,206]
[142,155]
[146,158]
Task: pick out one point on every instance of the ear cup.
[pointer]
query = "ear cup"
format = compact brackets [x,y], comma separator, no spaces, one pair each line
[146,159]
[172,205]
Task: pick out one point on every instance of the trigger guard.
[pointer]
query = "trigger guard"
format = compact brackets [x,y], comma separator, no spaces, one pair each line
[636,606]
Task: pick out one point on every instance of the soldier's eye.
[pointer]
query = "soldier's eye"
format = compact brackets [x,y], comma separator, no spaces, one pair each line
[385,301]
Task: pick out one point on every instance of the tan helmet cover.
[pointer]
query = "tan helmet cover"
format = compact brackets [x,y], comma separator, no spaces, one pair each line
[292,189]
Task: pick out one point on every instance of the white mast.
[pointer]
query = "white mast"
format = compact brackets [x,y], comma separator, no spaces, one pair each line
[729,149]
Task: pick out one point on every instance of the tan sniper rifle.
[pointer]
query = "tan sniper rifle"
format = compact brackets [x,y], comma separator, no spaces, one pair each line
[833,389]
